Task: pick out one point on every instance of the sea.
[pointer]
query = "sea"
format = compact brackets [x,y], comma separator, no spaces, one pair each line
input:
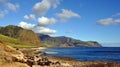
[111,54]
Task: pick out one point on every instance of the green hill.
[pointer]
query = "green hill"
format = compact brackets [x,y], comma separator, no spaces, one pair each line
[18,37]
[15,42]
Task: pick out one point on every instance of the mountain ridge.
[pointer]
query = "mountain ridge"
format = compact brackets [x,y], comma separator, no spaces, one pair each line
[29,37]
[63,41]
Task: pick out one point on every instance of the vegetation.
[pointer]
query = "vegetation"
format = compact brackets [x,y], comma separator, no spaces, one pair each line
[10,31]
[15,42]
[49,44]
[18,37]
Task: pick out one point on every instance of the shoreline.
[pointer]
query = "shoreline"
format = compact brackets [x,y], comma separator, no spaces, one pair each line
[33,60]
[42,51]
[53,52]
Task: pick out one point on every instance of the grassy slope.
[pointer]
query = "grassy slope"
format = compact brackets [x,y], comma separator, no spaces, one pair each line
[15,42]
[6,53]
[29,36]
[22,36]
[49,44]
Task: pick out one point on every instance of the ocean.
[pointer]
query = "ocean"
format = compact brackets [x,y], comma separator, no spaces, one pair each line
[87,53]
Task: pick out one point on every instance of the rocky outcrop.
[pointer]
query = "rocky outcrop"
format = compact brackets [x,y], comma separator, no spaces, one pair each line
[51,61]
[63,41]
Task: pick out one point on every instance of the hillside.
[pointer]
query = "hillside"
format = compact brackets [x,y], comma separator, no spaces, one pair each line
[63,41]
[15,42]
[6,57]
[18,37]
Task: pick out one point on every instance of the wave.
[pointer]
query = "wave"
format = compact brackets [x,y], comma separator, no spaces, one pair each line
[42,48]
[52,52]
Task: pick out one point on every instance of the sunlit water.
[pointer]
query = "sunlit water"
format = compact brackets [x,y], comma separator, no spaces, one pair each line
[87,54]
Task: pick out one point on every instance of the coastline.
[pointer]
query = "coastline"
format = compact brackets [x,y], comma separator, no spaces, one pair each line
[53,61]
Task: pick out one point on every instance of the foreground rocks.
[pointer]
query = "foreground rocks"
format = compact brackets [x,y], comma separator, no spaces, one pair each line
[28,58]
[31,58]
[9,55]
[52,61]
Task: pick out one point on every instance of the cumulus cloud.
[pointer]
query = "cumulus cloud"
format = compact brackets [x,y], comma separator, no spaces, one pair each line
[117,20]
[12,6]
[66,14]
[30,17]
[116,15]
[108,21]
[44,21]
[41,27]
[114,19]
[42,7]
[26,25]
[43,30]
[6,6]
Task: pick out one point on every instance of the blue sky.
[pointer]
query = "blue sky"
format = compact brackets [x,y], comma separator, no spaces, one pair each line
[96,20]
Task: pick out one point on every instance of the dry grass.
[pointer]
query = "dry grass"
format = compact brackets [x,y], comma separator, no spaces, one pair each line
[14,64]
[6,60]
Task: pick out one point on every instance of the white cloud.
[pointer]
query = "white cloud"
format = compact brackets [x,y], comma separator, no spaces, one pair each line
[26,25]
[30,17]
[118,14]
[43,30]
[44,21]
[115,15]
[42,7]
[12,6]
[36,28]
[6,6]
[66,14]
[109,21]
[117,21]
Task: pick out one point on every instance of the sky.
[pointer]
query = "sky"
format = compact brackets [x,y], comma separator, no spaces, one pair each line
[87,20]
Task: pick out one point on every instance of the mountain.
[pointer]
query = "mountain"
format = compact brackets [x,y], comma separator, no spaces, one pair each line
[63,41]
[18,34]
[19,37]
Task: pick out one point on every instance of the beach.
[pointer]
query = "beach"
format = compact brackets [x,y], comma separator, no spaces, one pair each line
[33,60]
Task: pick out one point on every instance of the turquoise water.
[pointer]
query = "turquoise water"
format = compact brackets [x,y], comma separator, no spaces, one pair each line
[87,54]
